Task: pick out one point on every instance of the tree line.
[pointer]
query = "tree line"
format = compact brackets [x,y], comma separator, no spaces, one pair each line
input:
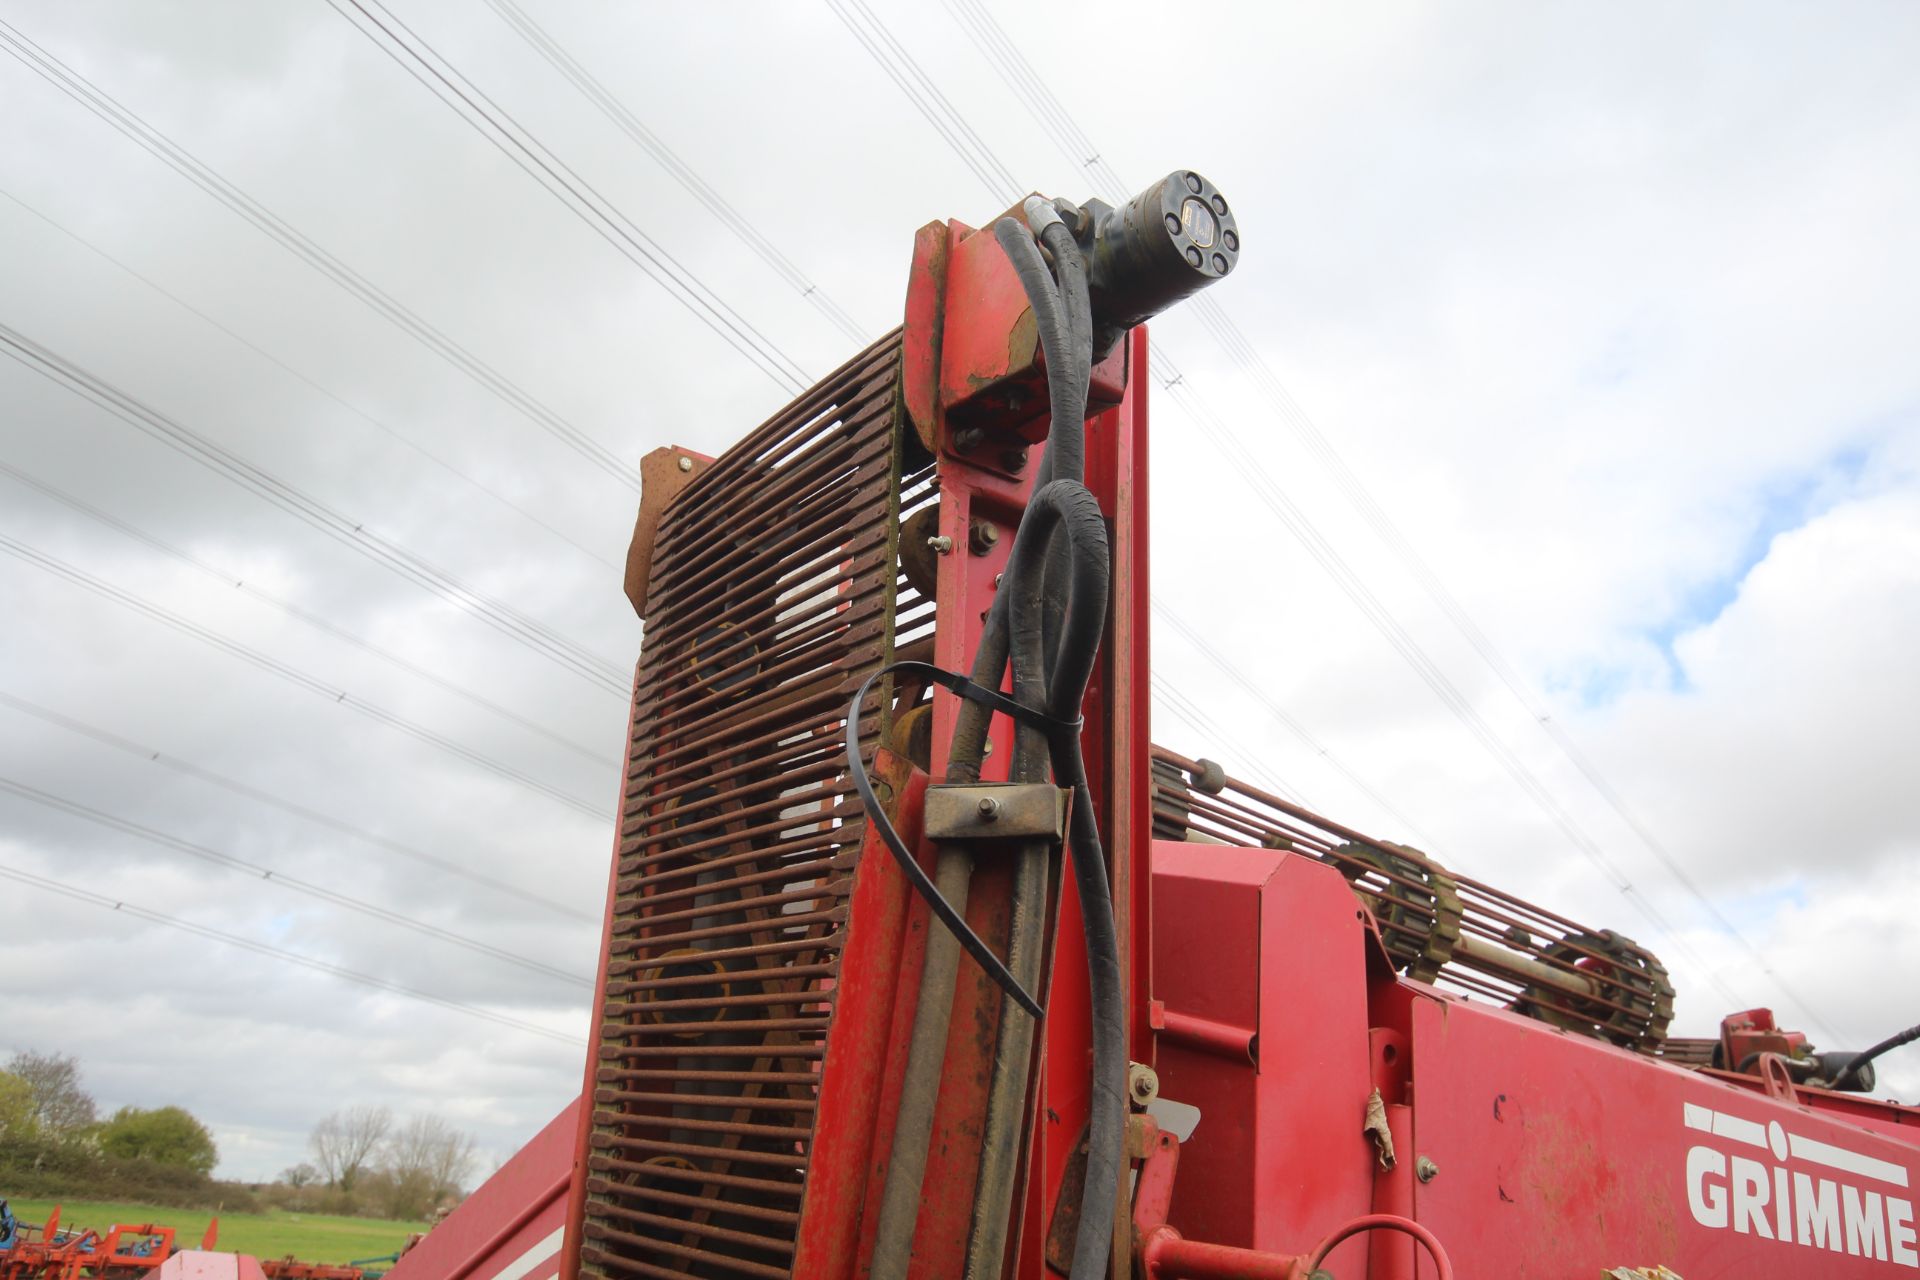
[364,1161]
[54,1142]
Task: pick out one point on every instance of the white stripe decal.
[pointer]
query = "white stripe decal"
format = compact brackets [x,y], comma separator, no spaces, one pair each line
[1812,1150]
[523,1266]
[1747,1131]
[1848,1161]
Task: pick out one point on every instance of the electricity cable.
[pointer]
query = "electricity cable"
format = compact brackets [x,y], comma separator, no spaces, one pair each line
[399,436]
[295,884]
[152,755]
[294,675]
[623,118]
[296,502]
[1033,93]
[1256,476]
[164,149]
[227,577]
[492,122]
[279,953]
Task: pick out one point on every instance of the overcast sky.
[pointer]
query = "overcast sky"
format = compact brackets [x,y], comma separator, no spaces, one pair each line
[1612,310]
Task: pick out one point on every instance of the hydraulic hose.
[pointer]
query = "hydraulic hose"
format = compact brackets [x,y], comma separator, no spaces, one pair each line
[1888,1045]
[1047,622]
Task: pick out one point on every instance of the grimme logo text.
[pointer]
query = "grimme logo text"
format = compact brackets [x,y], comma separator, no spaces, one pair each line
[1761,1180]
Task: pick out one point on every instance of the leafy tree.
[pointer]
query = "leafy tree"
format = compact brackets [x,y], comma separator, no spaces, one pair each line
[345,1141]
[17,1111]
[61,1108]
[165,1135]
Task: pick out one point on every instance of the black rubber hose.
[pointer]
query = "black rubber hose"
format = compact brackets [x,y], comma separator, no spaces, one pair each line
[1069,505]
[1888,1045]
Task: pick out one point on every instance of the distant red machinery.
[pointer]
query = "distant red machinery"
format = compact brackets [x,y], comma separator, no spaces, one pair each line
[1269,1045]
[47,1252]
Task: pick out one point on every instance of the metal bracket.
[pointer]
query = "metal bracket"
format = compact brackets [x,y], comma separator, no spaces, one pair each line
[996,811]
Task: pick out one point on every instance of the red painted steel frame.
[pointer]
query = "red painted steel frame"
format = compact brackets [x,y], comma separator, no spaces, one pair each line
[965,311]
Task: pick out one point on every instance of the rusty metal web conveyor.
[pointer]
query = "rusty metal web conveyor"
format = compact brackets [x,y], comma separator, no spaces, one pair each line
[1437,926]
[773,593]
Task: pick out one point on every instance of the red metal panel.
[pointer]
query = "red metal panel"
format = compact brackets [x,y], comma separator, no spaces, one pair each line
[510,1228]
[1556,1156]
[1274,943]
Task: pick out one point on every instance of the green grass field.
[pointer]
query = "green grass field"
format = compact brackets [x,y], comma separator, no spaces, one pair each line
[310,1237]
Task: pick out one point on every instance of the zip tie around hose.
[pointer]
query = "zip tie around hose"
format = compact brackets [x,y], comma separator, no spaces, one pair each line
[957,684]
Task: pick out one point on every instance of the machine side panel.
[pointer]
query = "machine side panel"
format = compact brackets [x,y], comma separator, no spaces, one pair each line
[511,1227]
[1553,1155]
[1316,1163]
[1273,944]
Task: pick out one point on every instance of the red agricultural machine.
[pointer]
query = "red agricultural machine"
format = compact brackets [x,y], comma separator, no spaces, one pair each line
[49,1252]
[921,960]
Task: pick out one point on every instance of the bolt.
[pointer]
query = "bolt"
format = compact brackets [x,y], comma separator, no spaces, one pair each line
[982,535]
[685,463]
[1014,459]
[1425,1169]
[996,580]
[941,544]
[1143,1084]
[986,748]
[989,808]
[967,439]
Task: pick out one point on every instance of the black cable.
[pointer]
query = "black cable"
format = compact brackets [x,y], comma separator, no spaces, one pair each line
[337,525]
[152,755]
[307,887]
[922,884]
[1860,1060]
[600,214]
[228,578]
[277,953]
[294,675]
[163,148]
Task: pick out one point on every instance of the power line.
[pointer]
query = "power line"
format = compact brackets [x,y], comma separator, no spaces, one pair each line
[269,224]
[306,887]
[293,675]
[1054,119]
[927,99]
[710,200]
[492,122]
[278,953]
[342,528]
[354,409]
[1279,713]
[1189,712]
[1323,553]
[445,866]
[227,577]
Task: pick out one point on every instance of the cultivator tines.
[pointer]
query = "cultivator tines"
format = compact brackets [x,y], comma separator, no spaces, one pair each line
[1437,926]
[772,594]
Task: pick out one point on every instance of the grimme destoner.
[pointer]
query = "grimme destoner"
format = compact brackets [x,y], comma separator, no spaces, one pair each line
[921,960]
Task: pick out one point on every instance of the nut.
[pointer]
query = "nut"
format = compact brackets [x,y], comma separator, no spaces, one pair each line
[982,536]
[1143,1083]
[1425,1169]
[685,463]
[989,808]
[941,544]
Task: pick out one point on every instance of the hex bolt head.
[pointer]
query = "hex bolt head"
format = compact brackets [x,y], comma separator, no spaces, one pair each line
[685,463]
[989,808]
[1425,1169]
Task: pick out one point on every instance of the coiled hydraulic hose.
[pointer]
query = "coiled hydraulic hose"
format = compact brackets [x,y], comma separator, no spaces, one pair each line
[1047,620]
